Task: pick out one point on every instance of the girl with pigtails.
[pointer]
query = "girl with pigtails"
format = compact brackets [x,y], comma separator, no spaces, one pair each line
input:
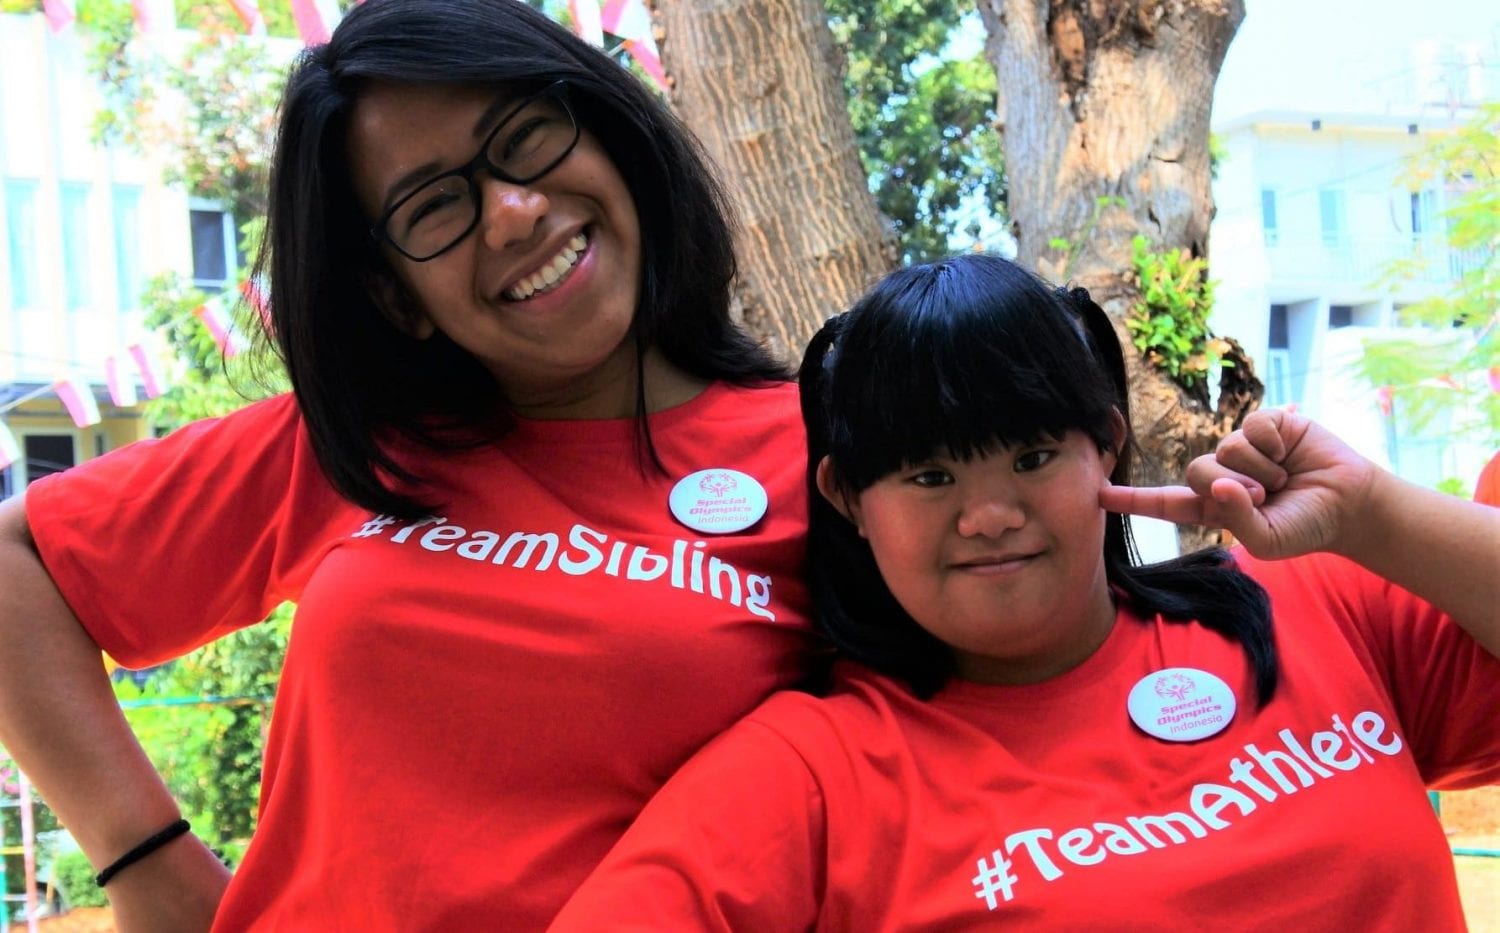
[1025,726]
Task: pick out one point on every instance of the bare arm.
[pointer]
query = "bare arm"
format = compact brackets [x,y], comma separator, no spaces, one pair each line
[60,721]
[1285,486]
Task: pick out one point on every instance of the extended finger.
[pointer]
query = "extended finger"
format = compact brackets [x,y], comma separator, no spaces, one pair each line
[1171,503]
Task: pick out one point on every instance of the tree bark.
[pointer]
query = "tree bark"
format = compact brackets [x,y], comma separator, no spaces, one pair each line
[1110,99]
[761,85]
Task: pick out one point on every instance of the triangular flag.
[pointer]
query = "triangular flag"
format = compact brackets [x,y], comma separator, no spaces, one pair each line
[78,399]
[631,21]
[218,326]
[1385,399]
[121,386]
[256,296]
[315,20]
[151,375]
[645,54]
[59,13]
[586,21]
[10,450]
[1494,376]
[249,13]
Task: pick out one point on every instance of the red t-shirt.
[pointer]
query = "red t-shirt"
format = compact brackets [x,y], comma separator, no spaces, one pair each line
[473,708]
[1043,806]
[1487,489]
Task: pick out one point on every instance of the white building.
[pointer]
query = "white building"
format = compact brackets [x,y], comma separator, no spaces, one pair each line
[82,228]
[1310,214]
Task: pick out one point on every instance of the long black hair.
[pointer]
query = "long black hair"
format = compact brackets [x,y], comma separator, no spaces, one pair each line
[358,378]
[961,356]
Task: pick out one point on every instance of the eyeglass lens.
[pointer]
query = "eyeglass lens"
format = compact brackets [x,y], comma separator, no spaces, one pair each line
[523,148]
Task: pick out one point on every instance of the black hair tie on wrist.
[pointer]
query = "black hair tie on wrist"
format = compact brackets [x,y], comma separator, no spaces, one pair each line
[150,844]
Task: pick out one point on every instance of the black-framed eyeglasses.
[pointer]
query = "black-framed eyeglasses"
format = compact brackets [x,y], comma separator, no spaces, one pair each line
[528,143]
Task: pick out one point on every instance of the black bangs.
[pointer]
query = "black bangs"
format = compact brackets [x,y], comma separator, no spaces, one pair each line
[958,358]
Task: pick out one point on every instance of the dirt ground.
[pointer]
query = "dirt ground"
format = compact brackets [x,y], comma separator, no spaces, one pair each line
[1471,818]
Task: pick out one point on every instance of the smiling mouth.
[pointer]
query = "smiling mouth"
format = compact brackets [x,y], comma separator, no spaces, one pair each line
[551,274]
[999,564]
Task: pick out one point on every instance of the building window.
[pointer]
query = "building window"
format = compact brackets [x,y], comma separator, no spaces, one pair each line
[1331,213]
[213,248]
[1340,316]
[1278,359]
[75,237]
[1268,215]
[129,278]
[20,234]
[47,454]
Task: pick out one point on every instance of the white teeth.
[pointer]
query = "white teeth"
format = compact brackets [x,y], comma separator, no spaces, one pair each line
[551,273]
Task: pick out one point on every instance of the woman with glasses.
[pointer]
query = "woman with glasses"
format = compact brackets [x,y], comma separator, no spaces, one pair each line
[538,499]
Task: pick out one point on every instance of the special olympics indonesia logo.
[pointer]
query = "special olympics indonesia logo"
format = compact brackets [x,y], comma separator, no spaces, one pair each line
[718,484]
[1175,686]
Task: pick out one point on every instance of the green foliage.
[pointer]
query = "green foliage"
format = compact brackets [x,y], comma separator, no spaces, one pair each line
[201,720]
[925,122]
[1069,249]
[75,876]
[1170,322]
[210,118]
[20,6]
[1444,371]
[10,825]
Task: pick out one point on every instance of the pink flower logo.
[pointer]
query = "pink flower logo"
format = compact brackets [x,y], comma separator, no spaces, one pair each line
[717,484]
[1174,686]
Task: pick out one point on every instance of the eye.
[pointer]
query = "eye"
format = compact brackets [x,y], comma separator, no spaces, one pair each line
[1030,460]
[518,144]
[425,206]
[930,478]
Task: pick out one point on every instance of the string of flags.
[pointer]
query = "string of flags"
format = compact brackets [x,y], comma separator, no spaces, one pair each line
[628,20]
[315,19]
[1385,396]
[139,362]
[631,21]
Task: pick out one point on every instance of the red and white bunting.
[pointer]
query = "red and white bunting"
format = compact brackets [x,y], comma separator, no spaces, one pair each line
[586,21]
[1494,377]
[152,378]
[60,13]
[631,21]
[249,14]
[316,20]
[1385,398]
[220,326]
[255,294]
[78,399]
[10,448]
[120,382]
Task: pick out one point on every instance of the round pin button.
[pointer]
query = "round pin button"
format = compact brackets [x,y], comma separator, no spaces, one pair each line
[1181,704]
[718,501]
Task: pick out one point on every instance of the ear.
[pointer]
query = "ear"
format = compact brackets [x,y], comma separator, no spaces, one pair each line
[396,304]
[835,496]
[1118,432]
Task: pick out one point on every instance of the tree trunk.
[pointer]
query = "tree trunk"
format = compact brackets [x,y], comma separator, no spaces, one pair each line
[1110,99]
[759,82]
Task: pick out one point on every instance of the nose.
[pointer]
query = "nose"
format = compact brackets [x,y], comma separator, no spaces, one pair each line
[989,514]
[508,213]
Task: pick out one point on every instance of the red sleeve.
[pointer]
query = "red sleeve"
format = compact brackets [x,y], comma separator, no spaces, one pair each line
[735,841]
[166,544]
[1445,688]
